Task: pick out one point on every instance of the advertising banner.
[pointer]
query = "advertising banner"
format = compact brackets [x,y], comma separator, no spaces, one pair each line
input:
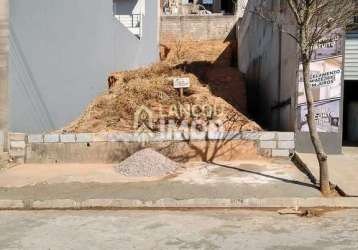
[326,116]
[329,47]
[326,84]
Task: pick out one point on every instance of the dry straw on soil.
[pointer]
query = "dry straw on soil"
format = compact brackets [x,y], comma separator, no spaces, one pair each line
[213,82]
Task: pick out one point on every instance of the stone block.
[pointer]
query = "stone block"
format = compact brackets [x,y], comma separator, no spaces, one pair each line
[250,136]
[251,203]
[35,139]
[51,138]
[17,145]
[11,204]
[143,137]
[286,136]
[18,155]
[84,137]
[268,136]
[286,144]
[181,136]
[198,136]
[68,138]
[56,204]
[280,153]
[216,135]
[163,136]
[17,137]
[268,144]
[232,136]
[111,203]
[265,152]
[100,137]
[121,137]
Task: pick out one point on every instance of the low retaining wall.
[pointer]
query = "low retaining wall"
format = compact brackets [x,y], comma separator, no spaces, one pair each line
[4,158]
[115,147]
[211,27]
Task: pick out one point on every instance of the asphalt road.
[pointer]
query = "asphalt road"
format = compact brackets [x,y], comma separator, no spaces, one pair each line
[176,230]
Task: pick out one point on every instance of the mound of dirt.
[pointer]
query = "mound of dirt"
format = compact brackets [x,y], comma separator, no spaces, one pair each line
[147,163]
[216,92]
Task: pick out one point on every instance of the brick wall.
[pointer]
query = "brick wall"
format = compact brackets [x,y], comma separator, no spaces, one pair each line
[215,27]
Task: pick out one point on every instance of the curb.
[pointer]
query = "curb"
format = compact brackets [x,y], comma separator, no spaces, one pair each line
[108,204]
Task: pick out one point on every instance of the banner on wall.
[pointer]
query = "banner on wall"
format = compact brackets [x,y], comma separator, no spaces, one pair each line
[326,116]
[326,82]
[329,47]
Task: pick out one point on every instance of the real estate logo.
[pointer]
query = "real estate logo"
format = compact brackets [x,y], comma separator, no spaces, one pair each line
[187,121]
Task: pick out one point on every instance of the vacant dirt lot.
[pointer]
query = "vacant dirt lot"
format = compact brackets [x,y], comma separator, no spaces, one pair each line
[216,91]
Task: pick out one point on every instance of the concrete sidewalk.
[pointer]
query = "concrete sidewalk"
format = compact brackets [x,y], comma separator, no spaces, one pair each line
[246,184]
[225,180]
[343,169]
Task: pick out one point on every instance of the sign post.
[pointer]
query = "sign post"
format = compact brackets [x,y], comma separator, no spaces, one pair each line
[181,84]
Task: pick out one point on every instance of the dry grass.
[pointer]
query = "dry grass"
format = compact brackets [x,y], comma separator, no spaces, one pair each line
[153,87]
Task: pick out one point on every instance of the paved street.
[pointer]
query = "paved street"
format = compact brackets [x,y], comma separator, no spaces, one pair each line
[176,230]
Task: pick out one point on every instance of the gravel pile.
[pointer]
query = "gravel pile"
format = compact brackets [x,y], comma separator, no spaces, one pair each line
[146,163]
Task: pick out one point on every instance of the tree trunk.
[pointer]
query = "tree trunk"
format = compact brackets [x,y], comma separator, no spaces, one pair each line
[316,141]
[4,53]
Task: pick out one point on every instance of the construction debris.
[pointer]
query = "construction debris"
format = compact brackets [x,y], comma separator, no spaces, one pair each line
[147,163]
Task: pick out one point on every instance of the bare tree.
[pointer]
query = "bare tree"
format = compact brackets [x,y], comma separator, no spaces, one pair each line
[314,20]
[317,19]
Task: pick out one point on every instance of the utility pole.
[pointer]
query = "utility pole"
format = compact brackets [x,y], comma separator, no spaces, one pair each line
[4,60]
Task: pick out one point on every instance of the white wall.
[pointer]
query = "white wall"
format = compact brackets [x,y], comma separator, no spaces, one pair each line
[61,53]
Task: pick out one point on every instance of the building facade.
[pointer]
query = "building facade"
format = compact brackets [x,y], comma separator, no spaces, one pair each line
[185,7]
[61,53]
[268,59]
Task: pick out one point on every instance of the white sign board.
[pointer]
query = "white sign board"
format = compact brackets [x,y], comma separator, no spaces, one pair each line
[180,83]
[208,2]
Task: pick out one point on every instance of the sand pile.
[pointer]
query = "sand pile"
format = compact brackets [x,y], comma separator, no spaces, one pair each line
[147,163]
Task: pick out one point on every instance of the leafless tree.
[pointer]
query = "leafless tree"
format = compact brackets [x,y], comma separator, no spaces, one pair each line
[313,20]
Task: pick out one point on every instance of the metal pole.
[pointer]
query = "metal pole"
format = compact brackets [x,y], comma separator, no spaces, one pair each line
[4,58]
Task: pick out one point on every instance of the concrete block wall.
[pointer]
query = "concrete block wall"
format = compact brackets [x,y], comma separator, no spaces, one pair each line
[3,155]
[213,27]
[17,147]
[277,144]
[46,148]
